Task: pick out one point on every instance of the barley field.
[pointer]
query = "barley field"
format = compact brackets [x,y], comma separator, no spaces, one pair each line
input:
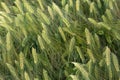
[59,39]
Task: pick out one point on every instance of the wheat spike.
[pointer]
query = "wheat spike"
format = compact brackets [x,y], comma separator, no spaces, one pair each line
[34,55]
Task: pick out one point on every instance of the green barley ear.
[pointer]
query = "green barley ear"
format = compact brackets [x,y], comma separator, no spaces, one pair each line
[40,40]
[109,14]
[26,76]
[41,4]
[19,5]
[97,40]
[82,70]
[5,7]
[62,33]
[104,18]
[92,7]
[67,8]
[34,55]
[7,17]
[74,77]
[99,3]
[115,62]
[80,54]
[44,16]
[92,21]
[21,58]
[45,74]
[72,44]
[108,62]
[28,7]
[8,41]
[50,12]
[37,79]
[91,55]
[104,25]
[63,2]
[111,4]
[107,53]
[46,37]
[88,38]
[71,3]
[66,22]
[57,9]
[12,71]
[77,5]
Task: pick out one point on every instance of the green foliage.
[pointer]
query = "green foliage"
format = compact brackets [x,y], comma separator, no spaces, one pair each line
[64,40]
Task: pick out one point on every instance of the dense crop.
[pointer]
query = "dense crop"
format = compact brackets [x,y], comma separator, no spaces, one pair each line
[59,39]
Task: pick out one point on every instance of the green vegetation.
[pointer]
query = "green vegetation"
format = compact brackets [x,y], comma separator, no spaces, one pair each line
[59,40]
